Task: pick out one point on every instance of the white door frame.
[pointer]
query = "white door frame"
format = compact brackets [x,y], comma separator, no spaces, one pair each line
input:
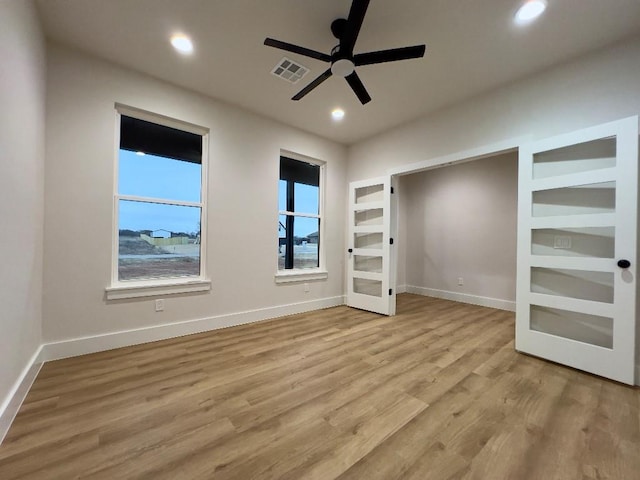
[486,151]
[478,153]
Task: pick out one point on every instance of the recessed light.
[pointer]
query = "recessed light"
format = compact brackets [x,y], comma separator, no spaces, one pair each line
[182,43]
[142,154]
[529,11]
[337,114]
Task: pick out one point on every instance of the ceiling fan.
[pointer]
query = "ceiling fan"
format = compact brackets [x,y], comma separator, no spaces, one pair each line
[342,59]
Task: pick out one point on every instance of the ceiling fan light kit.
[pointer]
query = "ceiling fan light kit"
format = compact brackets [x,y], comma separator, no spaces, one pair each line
[342,59]
[342,67]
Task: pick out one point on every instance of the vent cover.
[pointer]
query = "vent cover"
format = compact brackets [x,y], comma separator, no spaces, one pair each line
[289,70]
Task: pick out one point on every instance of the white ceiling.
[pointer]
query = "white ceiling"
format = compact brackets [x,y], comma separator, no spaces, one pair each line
[472,46]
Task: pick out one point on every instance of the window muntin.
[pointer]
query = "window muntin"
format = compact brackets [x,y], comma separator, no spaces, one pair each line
[299,203]
[159,203]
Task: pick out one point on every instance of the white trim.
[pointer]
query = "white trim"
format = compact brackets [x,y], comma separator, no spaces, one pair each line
[586,307]
[300,157]
[574,221]
[375,276]
[160,119]
[122,290]
[463,298]
[108,341]
[115,231]
[322,263]
[367,252]
[294,214]
[368,229]
[204,209]
[574,263]
[485,151]
[292,275]
[151,287]
[358,207]
[394,215]
[322,212]
[13,401]
[180,203]
[590,178]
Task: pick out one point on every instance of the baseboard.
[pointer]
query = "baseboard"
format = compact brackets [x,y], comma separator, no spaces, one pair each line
[12,403]
[401,289]
[98,343]
[463,298]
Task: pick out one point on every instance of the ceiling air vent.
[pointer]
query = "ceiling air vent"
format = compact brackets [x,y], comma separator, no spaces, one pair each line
[289,70]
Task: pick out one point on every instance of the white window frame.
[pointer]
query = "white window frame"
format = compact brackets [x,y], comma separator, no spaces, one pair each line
[306,274]
[120,289]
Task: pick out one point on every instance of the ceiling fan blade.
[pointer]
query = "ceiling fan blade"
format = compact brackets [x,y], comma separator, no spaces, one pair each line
[354,22]
[312,85]
[289,47]
[358,88]
[392,55]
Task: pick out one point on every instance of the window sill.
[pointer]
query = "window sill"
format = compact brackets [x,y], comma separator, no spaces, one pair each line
[123,291]
[290,276]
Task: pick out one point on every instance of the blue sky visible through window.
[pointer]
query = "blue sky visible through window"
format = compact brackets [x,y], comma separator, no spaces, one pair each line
[306,201]
[169,179]
[158,177]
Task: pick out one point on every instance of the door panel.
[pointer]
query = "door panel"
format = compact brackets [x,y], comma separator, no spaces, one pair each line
[577,216]
[369,269]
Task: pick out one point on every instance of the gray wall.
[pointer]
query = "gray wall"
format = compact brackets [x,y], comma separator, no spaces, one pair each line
[22,115]
[460,221]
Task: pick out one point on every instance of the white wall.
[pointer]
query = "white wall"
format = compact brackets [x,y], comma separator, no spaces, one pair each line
[242,215]
[22,115]
[596,89]
[461,222]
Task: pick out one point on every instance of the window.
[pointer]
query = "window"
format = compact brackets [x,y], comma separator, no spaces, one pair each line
[159,202]
[300,215]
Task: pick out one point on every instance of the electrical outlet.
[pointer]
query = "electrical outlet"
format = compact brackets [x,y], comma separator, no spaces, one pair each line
[460,281]
[159,305]
[306,288]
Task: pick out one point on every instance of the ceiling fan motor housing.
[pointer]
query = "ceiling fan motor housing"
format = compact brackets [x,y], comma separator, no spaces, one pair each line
[338,27]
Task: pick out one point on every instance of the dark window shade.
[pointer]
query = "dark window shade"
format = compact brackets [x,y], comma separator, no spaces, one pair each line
[299,172]
[141,136]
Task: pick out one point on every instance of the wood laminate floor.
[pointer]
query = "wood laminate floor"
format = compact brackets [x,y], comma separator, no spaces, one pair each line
[436,392]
